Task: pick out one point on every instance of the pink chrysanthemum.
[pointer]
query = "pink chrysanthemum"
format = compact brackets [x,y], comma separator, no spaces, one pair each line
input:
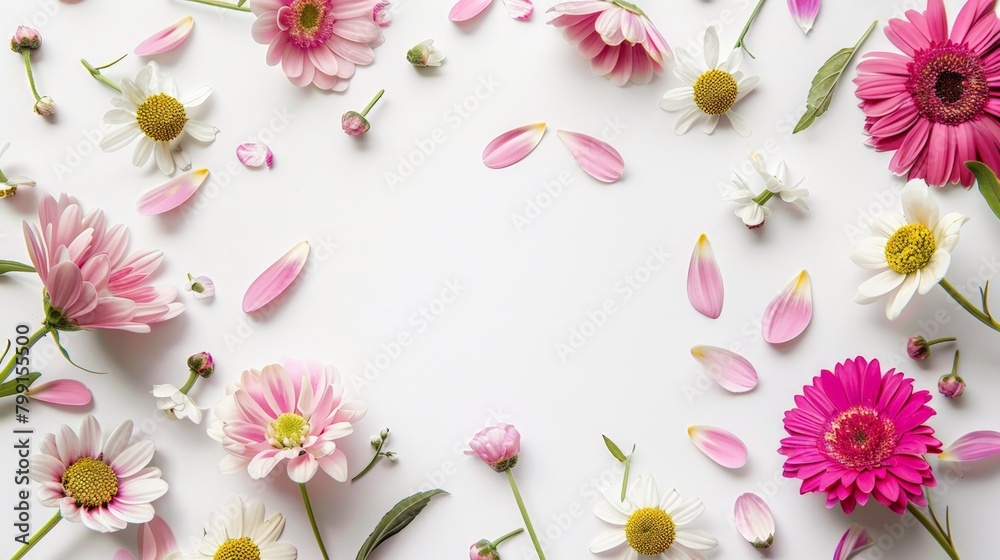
[104,484]
[317,41]
[294,410]
[858,433]
[937,104]
[90,281]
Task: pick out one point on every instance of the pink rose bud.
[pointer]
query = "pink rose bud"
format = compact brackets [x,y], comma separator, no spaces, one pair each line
[354,124]
[483,550]
[202,364]
[25,38]
[951,385]
[498,446]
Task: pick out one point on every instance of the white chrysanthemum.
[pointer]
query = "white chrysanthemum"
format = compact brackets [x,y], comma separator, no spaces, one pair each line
[777,182]
[242,532]
[176,404]
[911,251]
[713,87]
[151,108]
[650,525]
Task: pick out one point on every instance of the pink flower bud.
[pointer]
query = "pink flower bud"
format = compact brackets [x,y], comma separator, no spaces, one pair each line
[951,385]
[45,106]
[202,364]
[917,348]
[498,446]
[25,38]
[354,124]
[381,15]
[483,550]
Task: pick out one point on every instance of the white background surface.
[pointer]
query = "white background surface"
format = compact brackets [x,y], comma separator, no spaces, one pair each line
[493,350]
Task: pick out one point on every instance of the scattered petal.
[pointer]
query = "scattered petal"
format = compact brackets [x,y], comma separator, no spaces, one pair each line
[789,314]
[973,446]
[69,392]
[730,370]
[855,540]
[202,287]
[754,520]
[720,445]
[519,9]
[513,146]
[168,39]
[596,157]
[171,194]
[467,9]
[276,278]
[804,12]
[254,154]
[704,282]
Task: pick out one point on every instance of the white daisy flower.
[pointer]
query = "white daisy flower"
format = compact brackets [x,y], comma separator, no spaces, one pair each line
[749,210]
[9,185]
[650,524]
[777,183]
[713,87]
[151,108]
[176,403]
[242,532]
[911,251]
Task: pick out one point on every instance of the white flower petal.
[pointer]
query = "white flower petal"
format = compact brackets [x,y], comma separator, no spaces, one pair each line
[918,206]
[934,271]
[881,284]
[903,295]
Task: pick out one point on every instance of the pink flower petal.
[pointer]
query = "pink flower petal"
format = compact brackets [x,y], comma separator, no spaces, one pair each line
[467,9]
[596,157]
[276,278]
[804,12]
[720,445]
[513,146]
[855,540]
[789,314]
[704,282]
[754,520]
[255,154]
[171,194]
[730,370]
[156,540]
[519,9]
[167,39]
[973,446]
[67,392]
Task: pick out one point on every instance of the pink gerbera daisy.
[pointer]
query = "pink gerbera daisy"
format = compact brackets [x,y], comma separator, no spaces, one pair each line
[937,104]
[317,41]
[858,433]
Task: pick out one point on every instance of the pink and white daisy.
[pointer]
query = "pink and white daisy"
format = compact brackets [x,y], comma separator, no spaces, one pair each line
[937,105]
[616,37]
[318,42]
[90,280]
[857,433]
[294,410]
[104,484]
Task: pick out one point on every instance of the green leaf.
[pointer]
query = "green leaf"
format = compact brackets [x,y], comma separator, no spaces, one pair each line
[9,388]
[396,520]
[55,337]
[5,350]
[14,266]
[988,184]
[241,2]
[825,82]
[614,449]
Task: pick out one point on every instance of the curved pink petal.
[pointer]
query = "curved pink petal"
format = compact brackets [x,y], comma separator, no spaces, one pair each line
[597,158]
[519,9]
[123,554]
[730,370]
[789,314]
[156,540]
[704,281]
[171,194]
[167,39]
[255,154]
[276,278]
[973,446]
[804,12]
[467,9]
[720,445]
[855,540]
[69,392]
[513,146]
[754,520]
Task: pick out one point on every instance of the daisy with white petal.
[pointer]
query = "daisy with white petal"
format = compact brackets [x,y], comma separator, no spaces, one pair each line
[777,183]
[648,524]
[750,210]
[241,532]
[151,109]
[176,404]
[713,87]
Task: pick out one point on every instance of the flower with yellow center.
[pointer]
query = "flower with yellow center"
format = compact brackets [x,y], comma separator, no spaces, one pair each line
[911,251]
[713,86]
[650,525]
[151,110]
[242,533]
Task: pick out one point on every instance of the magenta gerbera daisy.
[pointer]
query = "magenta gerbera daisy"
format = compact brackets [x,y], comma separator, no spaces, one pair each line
[857,433]
[937,104]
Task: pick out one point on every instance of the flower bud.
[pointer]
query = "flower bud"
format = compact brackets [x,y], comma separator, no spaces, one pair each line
[376,441]
[425,54]
[202,364]
[917,348]
[392,456]
[384,434]
[45,106]
[25,38]
[951,385]
[354,124]
[380,14]
[483,550]
[498,446]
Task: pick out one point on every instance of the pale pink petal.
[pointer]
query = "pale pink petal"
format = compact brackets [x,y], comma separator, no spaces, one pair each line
[168,39]
[467,9]
[276,279]
[123,554]
[157,533]
[973,446]
[789,314]
[704,282]
[513,146]
[754,520]
[519,9]
[255,154]
[171,194]
[804,12]
[596,157]
[855,540]
[730,370]
[67,392]
[720,445]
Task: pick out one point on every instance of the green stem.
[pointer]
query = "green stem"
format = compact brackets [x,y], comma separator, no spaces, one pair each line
[967,305]
[940,340]
[763,197]
[372,104]
[628,466]
[37,536]
[739,42]
[26,53]
[190,382]
[312,521]
[96,73]
[497,542]
[524,514]
[110,64]
[219,4]
[938,535]
[5,373]
[378,453]
[954,364]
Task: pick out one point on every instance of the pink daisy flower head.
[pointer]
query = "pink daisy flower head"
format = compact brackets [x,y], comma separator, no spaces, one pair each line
[616,37]
[857,433]
[936,104]
[294,410]
[90,280]
[318,42]
[104,484]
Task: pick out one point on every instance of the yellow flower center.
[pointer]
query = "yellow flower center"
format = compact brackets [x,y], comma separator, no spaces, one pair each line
[910,248]
[288,430]
[90,482]
[650,531]
[238,549]
[161,117]
[715,92]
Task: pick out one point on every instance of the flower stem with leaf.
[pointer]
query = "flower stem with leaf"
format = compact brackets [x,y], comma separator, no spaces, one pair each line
[95,71]
[941,534]
[741,41]
[9,368]
[378,442]
[984,315]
